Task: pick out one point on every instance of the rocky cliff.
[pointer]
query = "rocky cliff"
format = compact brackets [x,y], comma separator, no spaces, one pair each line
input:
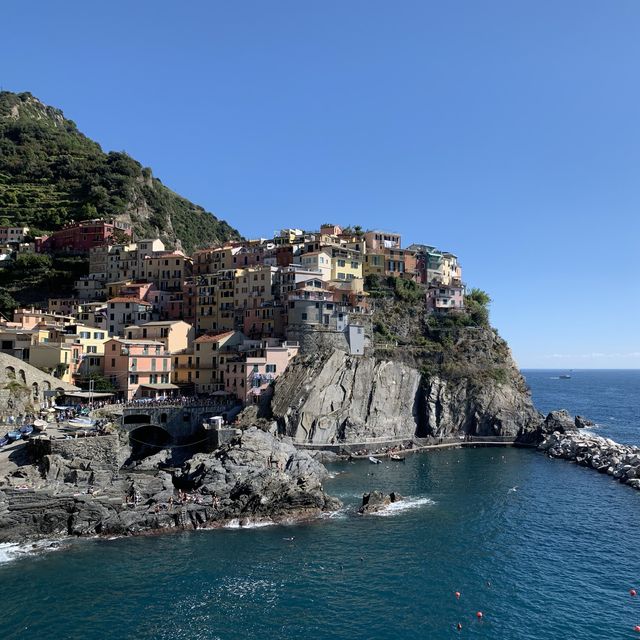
[80,488]
[469,385]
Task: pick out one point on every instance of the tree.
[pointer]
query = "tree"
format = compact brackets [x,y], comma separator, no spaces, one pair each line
[479,296]
[7,303]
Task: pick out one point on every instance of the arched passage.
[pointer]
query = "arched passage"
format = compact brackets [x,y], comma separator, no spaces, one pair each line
[147,440]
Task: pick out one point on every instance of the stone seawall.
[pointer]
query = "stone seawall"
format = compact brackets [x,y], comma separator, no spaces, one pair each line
[602,454]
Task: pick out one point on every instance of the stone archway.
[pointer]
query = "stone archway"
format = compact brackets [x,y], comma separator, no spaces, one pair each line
[148,439]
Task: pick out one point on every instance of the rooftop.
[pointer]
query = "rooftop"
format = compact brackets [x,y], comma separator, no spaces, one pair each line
[214,337]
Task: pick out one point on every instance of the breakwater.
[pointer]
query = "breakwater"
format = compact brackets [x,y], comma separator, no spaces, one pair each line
[602,454]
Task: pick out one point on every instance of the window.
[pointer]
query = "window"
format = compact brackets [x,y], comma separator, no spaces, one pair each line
[355,265]
[271,368]
[341,263]
[304,316]
[113,362]
[92,349]
[99,335]
[133,378]
[85,335]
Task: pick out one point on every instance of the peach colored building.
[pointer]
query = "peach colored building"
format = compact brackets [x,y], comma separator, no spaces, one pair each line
[249,375]
[138,368]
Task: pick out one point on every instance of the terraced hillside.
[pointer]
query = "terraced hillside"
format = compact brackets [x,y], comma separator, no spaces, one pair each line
[50,173]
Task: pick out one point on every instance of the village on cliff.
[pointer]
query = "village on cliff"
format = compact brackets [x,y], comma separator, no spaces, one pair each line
[148,323]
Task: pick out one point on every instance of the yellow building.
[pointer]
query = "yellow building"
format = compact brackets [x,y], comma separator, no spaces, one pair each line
[215,310]
[346,264]
[176,335]
[318,261]
[202,364]
[373,264]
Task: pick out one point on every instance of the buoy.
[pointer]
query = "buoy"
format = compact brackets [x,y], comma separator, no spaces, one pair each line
[458,595]
[479,615]
[633,592]
[459,627]
[637,628]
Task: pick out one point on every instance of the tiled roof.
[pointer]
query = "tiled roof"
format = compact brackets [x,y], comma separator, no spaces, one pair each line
[131,299]
[214,337]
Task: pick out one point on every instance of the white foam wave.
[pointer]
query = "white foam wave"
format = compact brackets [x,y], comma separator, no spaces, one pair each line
[339,514]
[252,524]
[403,505]
[10,551]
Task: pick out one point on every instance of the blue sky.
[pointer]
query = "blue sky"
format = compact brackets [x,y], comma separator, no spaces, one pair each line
[506,132]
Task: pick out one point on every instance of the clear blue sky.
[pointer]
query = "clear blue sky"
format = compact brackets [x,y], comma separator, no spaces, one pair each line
[506,132]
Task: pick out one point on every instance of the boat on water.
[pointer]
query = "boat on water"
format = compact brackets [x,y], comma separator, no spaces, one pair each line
[396,457]
[565,376]
[373,460]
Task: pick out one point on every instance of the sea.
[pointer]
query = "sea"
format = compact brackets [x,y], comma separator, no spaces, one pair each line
[542,548]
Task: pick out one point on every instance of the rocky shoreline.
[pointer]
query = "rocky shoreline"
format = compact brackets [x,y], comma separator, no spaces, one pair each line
[622,462]
[84,490]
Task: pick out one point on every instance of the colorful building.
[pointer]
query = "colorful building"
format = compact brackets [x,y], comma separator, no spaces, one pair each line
[138,368]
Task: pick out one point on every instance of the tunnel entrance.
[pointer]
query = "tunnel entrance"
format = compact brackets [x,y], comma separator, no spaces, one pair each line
[147,440]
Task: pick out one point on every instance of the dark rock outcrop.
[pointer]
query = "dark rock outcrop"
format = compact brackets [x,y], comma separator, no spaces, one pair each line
[376,501]
[255,477]
[560,421]
[583,423]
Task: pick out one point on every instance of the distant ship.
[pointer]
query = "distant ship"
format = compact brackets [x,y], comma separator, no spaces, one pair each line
[565,376]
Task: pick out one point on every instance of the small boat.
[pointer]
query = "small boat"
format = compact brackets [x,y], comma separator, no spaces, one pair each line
[565,376]
[14,435]
[396,457]
[373,460]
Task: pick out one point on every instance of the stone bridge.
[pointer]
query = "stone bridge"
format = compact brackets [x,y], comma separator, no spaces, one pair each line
[164,425]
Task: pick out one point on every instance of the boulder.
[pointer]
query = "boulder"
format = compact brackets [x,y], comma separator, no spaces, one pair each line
[560,421]
[582,423]
[376,501]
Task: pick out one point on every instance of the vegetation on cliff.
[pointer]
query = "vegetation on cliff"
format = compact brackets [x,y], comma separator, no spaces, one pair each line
[454,345]
[50,174]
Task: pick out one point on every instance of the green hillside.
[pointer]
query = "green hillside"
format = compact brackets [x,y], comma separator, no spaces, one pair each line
[50,174]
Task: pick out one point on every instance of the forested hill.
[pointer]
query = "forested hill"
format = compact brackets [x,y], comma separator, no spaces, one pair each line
[50,173]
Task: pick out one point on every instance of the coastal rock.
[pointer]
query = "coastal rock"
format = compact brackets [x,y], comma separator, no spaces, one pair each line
[376,501]
[582,423]
[559,420]
[256,476]
[602,454]
[334,398]
[342,398]
[489,409]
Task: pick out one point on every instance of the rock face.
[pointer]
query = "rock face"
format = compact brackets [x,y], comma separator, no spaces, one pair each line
[490,408]
[347,399]
[257,476]
[337,398]
[604,455]
[376,501]
[560,421]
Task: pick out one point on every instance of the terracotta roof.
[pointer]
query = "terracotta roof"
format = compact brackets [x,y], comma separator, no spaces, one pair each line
[130,299]
[214,337]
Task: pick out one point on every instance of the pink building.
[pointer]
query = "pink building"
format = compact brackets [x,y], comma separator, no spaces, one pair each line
[445,298]
[249,375]
[138,368]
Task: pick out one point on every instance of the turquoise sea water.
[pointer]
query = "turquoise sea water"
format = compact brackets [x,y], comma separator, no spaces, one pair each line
[543,548]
